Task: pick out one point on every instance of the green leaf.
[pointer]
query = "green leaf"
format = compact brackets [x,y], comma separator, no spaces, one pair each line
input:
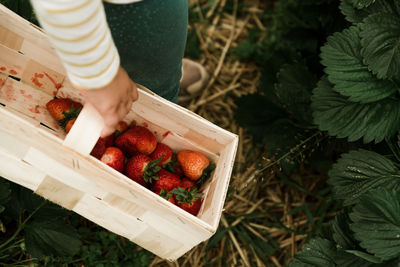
[352,258]
[51,238]
[355,15]
[333,112]
[359,171]
[342,59]
[362,3]
[381,44]
[317,252]
[342,233]
[376,223]
[294,87]
[365,256]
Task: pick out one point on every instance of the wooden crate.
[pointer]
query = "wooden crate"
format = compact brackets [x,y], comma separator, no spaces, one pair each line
[34,153]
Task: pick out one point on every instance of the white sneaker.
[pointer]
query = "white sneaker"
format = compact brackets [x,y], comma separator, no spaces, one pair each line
[194,79]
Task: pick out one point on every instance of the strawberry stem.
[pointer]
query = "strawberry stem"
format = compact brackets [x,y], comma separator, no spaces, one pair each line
[151,170]
[186,195]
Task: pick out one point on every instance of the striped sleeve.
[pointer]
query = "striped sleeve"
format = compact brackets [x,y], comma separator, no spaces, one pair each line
[80,34]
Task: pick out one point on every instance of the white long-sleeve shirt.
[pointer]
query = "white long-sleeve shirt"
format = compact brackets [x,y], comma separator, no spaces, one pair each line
[79,32]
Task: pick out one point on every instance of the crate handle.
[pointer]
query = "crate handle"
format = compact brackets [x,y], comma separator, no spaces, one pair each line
[86,130]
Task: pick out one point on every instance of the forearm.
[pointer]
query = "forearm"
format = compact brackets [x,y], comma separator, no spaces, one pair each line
[80,34]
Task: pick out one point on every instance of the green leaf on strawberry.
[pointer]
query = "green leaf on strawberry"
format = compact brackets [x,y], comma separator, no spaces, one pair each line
[186,195]
[206,174]
[150,172]
[70,115]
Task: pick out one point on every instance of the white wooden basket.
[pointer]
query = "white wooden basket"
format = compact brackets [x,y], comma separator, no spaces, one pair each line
[35,153]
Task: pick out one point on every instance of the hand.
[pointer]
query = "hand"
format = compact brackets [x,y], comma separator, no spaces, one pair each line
[113,101]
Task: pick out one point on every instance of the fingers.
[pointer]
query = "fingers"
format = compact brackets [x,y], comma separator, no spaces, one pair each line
[113,101]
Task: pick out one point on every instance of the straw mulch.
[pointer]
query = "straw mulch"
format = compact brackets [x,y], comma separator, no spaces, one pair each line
[252,191]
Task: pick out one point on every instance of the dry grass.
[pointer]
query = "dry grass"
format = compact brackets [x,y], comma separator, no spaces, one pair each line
[252,191]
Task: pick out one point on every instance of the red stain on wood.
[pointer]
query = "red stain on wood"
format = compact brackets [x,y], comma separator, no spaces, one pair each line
[166,133]
[22,91]
[2,81]
[10,93]
[3,68]
[56,85]
[35,109]
[12,72]
[145,124]
[35,79]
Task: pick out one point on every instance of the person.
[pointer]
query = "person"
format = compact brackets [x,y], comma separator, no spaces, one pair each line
[107,47]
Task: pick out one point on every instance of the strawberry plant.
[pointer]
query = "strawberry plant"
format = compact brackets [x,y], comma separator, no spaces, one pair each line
[358,98]
[279,116]
[334,83]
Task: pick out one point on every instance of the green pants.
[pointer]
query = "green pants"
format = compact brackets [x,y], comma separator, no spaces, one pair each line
[150,37]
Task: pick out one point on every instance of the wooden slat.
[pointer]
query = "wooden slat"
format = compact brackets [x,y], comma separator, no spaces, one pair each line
[27,100]
[12,62]
[42,77]
[10,39]
[59,193]
[19,172]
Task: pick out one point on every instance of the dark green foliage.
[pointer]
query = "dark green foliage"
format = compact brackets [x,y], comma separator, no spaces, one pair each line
[343,62]
[381,44]
[280,116]
[51,238]
[355,15]
[376,223]
[342,118]
[22,8]
[359,171]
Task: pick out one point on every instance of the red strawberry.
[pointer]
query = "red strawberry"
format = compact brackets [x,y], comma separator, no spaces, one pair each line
[137,139]
[114,158]
[188,199]
[161,150]
[142,169]
[178,170]
[166,180]
[69,125]
[132,124]
[186,183]
[63,109]
[192,208]
[167,195]
[121,128]
[109,140]
[99,148]
[192,163]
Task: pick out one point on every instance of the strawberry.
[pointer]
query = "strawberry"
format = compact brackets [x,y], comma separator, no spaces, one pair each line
[63,109]
[114,158]
[142,169]
[186,183]
[188,199]
[121,128]
[109,140]
[99,148]
[163,151]
[132,124]
[167,195]
[194,164]
[69,125]
[166,180]
[137,139]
